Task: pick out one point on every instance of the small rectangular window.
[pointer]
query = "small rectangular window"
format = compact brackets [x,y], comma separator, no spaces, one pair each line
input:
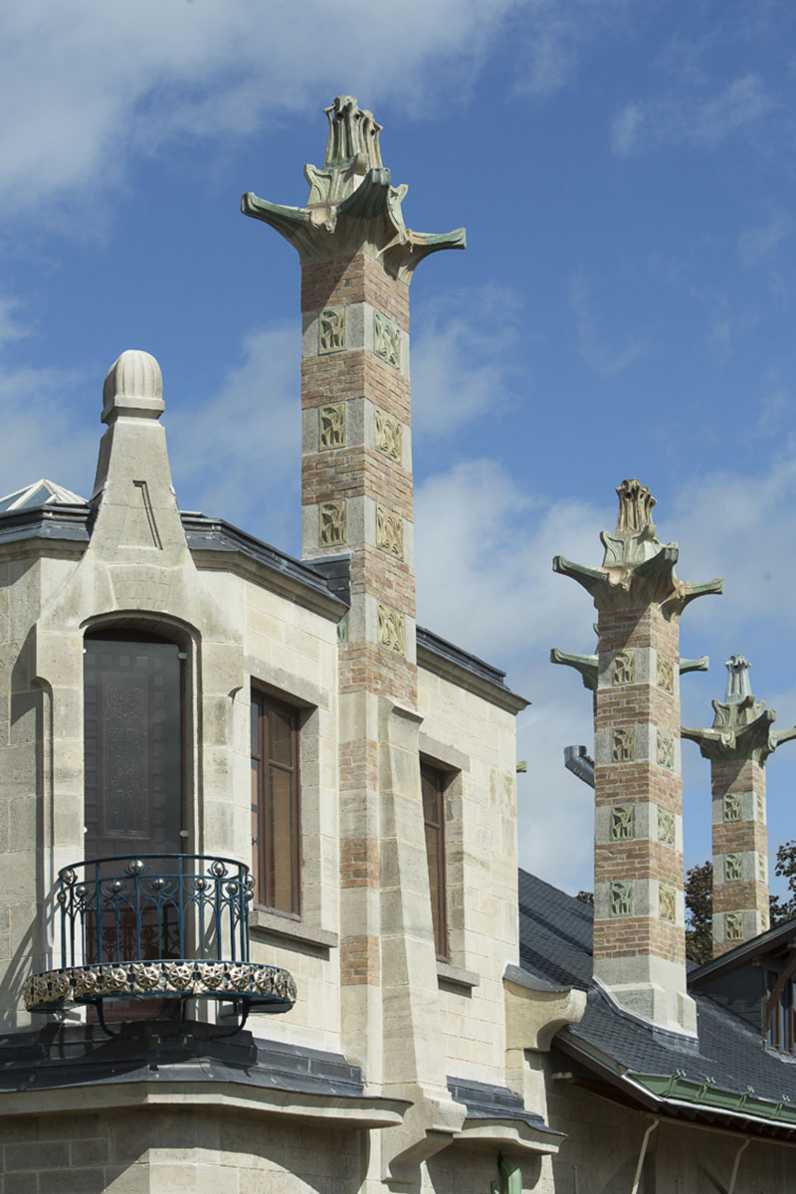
[275,804]
[433,785]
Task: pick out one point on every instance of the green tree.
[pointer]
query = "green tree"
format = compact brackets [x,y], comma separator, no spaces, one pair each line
[781,908]
[699,913]
[586,897]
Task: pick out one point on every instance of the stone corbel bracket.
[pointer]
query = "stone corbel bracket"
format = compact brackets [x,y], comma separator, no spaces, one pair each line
[536,1010]
[651,582]
[588,666]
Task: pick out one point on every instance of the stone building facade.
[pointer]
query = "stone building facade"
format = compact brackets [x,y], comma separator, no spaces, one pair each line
[261,923]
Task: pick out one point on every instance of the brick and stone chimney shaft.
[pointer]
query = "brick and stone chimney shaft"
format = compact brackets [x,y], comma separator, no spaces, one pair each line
[357,259]
[639,926]
[738,746]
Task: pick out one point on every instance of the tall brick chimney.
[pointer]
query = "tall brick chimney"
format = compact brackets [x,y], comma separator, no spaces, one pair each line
[738,746]
[639,924]
[357,259]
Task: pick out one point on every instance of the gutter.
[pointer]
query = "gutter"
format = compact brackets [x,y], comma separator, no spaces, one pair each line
[661,1093]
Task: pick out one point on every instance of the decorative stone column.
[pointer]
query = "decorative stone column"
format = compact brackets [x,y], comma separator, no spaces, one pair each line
[357,259]
[639,922]
[738,747]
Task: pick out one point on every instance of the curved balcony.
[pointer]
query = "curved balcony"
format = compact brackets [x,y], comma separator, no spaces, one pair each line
[170,926]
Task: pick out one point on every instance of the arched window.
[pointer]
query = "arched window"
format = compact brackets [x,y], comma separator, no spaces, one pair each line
[133,744]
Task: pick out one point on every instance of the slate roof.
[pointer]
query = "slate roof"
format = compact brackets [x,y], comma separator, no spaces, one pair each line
[728,1056]
[83,1055]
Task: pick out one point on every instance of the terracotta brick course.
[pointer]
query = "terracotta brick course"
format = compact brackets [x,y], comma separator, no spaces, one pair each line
[639,858]
[742,775]
[356,374]
[360,862]
[354,472]
[360,961]
[633,935]
[357,279]
[377,670]
[739,835]
[739,896]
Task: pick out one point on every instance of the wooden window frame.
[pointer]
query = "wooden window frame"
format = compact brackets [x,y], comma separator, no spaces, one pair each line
[264,894]
[439,780]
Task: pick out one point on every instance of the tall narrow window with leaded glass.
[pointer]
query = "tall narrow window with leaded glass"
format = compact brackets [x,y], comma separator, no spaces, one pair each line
[133,745]
[433,784]
[275,804]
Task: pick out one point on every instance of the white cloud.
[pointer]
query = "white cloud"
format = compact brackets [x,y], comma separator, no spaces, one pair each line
[236,454]
[484,545]
[594,351]
[461,360]
[686,115]
[47,429]
[758,244]
[626,130]
[484,548]
[85,84]
[555,34]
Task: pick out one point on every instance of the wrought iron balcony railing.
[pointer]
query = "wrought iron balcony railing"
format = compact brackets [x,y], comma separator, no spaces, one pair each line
[156,926]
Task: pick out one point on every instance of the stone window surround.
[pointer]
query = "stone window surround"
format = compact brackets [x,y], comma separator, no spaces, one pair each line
[311,930]
[452,974]
[63,705]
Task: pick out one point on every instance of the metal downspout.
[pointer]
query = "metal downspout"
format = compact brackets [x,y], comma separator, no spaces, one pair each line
[643,1153]
[736,1164]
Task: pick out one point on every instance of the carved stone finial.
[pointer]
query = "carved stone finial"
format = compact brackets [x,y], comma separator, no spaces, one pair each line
[737,679]
[635,507]
[352,205]
[637,569]
[133,387]
[352,133]
[741,725]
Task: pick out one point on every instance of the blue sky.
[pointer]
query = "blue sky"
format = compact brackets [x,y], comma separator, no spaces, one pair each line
[625,171]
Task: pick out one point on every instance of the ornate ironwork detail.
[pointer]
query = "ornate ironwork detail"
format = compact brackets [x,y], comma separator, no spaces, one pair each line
[82,984]
[667,903]
[624,669]
[331,330]
[386,340]
[732,806]
[665,673]
[388,434]
[332,424]
[623,822]
[665,826]
[733,867]
[665,751]
[622,745]
[390,532]
[334,522]
[621,898]
[156,925]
